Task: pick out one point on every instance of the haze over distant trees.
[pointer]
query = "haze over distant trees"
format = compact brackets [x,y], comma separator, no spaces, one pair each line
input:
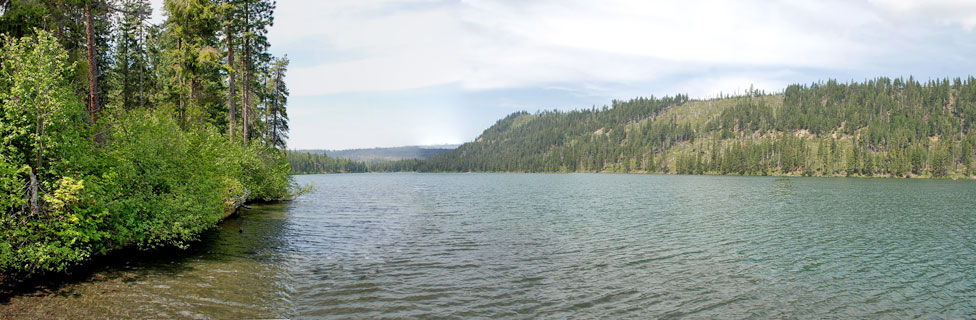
[385,154]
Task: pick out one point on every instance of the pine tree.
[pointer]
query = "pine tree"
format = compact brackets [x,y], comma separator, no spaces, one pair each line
[191,35]
[256,16]
[277,99]
[131,68]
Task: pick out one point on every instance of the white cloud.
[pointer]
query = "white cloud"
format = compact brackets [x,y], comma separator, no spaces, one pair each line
[691,31]
[368,25]
[392,47]
[406,70]
[498,44]
[961,12]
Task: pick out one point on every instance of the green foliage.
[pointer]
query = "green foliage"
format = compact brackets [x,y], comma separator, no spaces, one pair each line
[130,77]
[11,184]
[306,162]
[140,177]
[262,170]
[38,121]
[276,97]
[195,87]
[38,104]
[154,171]
[162,185]
[66,20]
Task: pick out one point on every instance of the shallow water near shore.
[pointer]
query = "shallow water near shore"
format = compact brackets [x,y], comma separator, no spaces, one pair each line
[558,246]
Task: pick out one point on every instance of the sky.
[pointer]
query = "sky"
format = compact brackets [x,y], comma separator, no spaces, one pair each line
[382,73]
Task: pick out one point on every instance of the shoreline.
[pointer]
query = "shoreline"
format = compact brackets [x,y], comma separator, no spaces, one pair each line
[11,286]
[858,176]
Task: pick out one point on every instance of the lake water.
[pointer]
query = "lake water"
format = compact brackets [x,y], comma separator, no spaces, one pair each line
[559,246]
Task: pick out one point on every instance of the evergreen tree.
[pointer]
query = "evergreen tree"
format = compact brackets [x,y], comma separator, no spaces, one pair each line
[276,101]
[130,72]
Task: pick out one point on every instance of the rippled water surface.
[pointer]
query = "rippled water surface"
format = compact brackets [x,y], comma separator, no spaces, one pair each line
[558,246]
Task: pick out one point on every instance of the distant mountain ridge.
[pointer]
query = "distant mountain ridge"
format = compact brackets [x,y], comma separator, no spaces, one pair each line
[385,154]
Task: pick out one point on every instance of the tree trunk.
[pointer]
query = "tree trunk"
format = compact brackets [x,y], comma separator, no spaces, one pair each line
[245,112]
[265,116]
[92,65]
[142,73]
[193,97]
[247,80]
[231,95]
[179,76]
[274,126]
[126,74]
[275,108]
[35,208]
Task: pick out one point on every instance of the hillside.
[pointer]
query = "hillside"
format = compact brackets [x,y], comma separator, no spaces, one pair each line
[882,127]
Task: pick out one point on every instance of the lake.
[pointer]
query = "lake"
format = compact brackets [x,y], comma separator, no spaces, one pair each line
[558,246]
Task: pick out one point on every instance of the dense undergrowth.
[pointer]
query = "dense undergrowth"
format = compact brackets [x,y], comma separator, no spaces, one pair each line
[71,188]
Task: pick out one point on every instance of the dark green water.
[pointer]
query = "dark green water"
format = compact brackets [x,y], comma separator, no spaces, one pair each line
[561,246]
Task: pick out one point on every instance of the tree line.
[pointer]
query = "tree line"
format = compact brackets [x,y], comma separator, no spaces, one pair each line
[893,127]
[319,162]
[119,132]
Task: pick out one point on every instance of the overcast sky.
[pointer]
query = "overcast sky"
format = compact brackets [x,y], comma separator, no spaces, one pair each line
[379,73]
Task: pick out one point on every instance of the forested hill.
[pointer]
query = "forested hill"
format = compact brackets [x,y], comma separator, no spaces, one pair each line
[888,127]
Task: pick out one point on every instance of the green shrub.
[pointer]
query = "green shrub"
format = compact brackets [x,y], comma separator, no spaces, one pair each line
[162,185]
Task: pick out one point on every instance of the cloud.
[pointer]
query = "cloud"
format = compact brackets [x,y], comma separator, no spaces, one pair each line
[484,45]
[692,31]
[959,12]
[381,45]
[370,26]
[406,70]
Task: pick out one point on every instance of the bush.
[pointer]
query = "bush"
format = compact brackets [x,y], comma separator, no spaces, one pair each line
[264,171]
[161,185]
